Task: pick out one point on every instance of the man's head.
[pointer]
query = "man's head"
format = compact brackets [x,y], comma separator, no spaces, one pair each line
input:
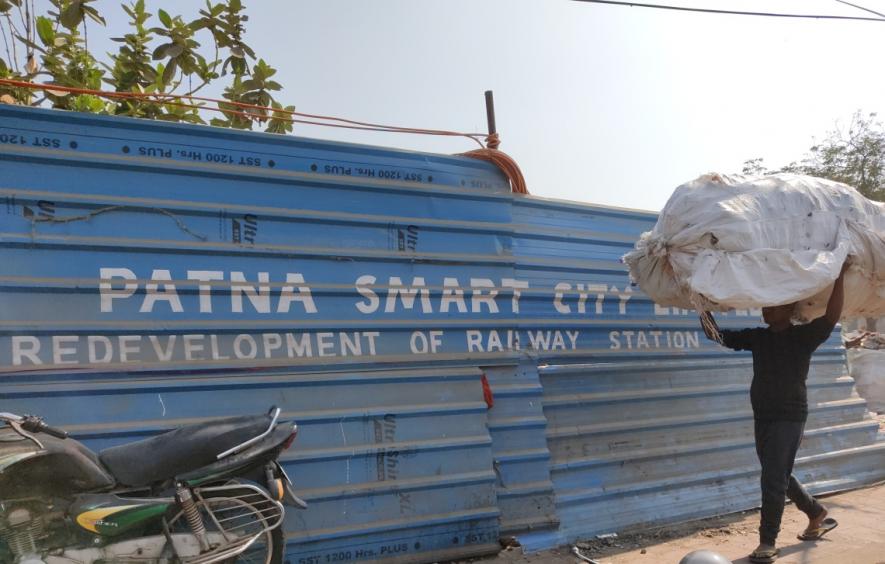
[778,315]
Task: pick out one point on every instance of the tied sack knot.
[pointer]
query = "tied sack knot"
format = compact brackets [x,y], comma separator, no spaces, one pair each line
[659,247]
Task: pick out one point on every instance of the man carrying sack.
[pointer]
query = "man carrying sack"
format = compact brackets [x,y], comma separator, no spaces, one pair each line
[781,357]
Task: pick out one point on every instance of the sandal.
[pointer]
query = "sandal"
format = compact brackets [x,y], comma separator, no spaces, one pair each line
[764,556]
[826,526]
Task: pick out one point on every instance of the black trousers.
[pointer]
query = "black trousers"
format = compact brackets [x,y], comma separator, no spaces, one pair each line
[776,446]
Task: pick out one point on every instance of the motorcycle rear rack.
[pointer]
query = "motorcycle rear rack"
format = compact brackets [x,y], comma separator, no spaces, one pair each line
[269,511]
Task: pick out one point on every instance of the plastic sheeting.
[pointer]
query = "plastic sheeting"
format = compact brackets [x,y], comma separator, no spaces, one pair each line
[733,242]
[867,367]
[866,359]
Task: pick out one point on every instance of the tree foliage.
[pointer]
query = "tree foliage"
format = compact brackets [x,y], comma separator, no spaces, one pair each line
[162,53]
[854,155]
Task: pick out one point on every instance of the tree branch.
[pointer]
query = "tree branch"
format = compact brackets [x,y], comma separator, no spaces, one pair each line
[21,15]
[180,74]
[6,43]
[215,63]
[863,174]
[26,22]
[13,32]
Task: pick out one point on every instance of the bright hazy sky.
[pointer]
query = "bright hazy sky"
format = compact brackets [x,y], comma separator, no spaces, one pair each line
[601,104]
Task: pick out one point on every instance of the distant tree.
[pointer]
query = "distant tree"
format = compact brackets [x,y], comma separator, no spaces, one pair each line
[161,56]
[854,156]
[755,167]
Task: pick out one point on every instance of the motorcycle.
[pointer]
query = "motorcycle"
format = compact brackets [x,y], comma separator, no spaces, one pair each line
[202,493]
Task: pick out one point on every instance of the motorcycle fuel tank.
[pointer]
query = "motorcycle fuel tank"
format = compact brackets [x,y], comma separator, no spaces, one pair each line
[61,466]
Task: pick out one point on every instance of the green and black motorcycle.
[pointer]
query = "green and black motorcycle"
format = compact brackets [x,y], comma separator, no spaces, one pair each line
[209,492]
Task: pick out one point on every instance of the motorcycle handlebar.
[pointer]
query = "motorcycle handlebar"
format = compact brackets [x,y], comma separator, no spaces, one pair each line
[54,431]
[35,424]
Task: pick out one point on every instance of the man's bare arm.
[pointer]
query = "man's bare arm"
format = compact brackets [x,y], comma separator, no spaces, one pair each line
[837,298]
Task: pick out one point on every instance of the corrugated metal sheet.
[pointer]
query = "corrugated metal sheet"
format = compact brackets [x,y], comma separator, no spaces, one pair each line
[635,443]
[519,446]
[394,457]
[157,274]
[651,423]
[379,454]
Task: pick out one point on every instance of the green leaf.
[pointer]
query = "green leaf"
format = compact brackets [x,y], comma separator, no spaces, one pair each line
[72,15]
[281,121]
[45,31]
[94,15]
[238,66]
[165,17]
[174,50]
[6,5]
[169,72]
[160,52]
[199,24]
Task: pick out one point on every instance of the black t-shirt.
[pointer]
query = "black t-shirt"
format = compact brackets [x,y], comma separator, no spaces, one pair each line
[780,366]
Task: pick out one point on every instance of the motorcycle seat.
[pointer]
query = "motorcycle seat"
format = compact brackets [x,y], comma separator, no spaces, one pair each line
[182,450]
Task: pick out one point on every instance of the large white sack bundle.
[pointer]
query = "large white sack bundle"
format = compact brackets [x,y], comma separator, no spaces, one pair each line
[735,242]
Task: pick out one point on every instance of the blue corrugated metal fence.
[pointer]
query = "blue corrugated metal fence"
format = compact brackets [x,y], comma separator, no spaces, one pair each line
[157,274]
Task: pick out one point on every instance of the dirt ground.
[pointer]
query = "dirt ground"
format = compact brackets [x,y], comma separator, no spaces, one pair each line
[859,538]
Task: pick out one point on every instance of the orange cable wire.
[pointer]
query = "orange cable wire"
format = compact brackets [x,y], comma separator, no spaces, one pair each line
[173,99]
[488,153]
[507,165]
